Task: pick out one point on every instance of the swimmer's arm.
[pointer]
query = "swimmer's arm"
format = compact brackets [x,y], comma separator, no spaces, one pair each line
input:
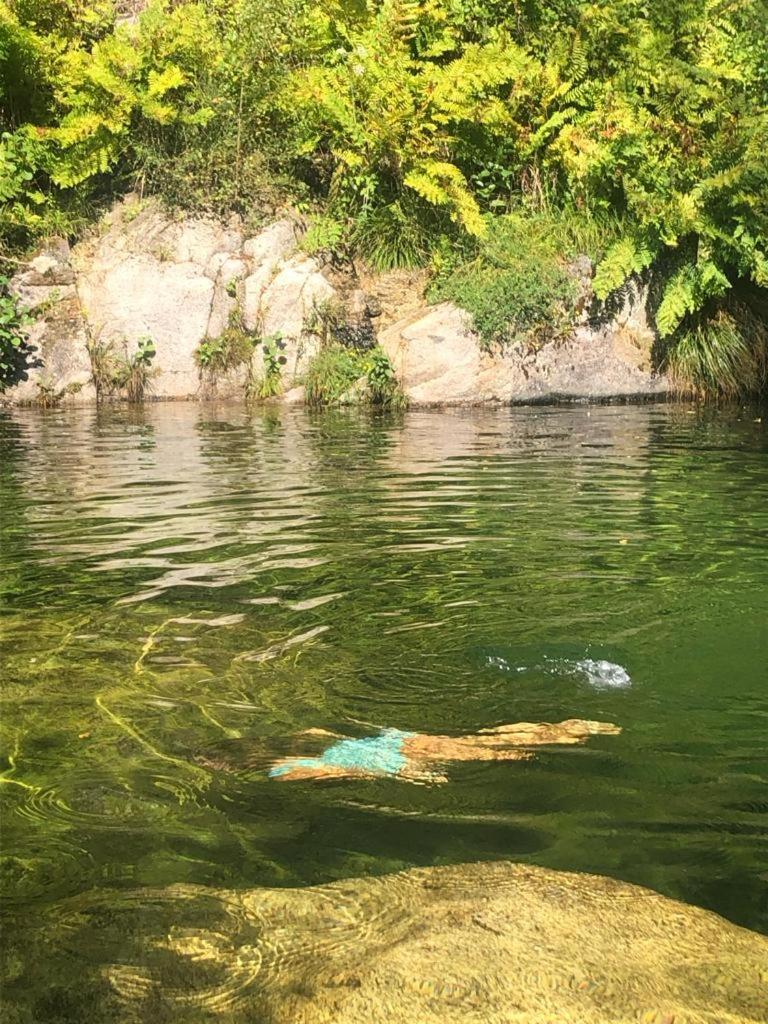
[293,772]
[528,734]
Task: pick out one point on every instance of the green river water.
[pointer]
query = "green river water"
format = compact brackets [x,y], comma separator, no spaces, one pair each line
[183,588]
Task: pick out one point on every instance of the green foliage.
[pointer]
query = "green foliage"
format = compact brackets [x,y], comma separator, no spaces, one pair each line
[273,359]
[392,235]
[331,373]
[514,285]
[139,80]
[721,352]
[406,123]
[122,374]
[50,397]
[340,372]
[15,351]
[325,236]
[384,110]
[383,386]
[234,347]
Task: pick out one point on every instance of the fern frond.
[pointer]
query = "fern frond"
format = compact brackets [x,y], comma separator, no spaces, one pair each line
[687,291]
[679,300]
[162,82]
[630,255]
[443,184]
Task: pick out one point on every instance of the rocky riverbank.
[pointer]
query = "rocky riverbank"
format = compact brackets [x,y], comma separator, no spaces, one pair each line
[179,284]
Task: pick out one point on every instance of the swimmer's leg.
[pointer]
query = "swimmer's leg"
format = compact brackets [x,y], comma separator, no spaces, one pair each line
[420,777]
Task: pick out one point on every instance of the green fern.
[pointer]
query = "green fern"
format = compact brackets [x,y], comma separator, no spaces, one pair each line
[630,255]
[443,184]
[687,291]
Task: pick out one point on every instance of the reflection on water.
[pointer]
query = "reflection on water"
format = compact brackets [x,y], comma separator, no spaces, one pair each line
[184,588]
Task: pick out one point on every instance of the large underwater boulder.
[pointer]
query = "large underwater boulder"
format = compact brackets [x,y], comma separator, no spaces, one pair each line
[489,943]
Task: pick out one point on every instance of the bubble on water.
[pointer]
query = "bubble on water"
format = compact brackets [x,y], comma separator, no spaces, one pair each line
[496,661]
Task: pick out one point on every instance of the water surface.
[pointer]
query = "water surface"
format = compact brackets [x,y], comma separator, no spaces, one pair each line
[184,588]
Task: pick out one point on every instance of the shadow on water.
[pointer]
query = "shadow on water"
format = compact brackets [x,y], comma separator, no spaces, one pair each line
[183,588]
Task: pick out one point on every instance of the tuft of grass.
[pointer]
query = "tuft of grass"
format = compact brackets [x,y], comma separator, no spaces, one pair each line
[331,373]
[122,376]
[233,348]
[721,352]
[391,236]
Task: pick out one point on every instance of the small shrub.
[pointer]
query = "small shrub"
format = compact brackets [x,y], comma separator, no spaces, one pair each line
[233,348]
[124,376]
[136,371]
[270,384]
[16,354]
[50,397]
[325,236]
[383,386]
[335,369]
[331,373]
[514,285]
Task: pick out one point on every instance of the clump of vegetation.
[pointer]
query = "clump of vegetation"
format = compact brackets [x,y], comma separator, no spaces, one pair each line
[271,382]
[347,356]
[326,236]
[122,375]
[233,348]
[50,397]
[384,389]
[331,373]
[136,371]
[724,351]
[16,354]
[335,371]
[236,347]
[514,284]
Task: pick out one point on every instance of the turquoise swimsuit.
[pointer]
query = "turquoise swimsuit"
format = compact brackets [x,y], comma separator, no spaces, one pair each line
[376,755]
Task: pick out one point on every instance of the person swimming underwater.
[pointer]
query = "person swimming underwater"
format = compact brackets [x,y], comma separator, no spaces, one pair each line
[413,756]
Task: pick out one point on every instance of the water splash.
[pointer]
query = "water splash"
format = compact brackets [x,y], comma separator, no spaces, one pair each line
[598,672]
[603,674]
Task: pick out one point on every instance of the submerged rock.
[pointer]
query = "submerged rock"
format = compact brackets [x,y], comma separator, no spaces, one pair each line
[496,943]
